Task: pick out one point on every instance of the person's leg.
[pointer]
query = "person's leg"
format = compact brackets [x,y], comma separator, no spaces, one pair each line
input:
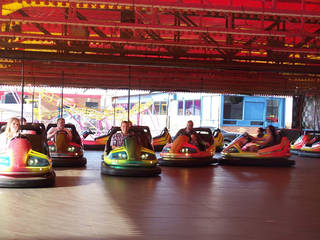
[253,148]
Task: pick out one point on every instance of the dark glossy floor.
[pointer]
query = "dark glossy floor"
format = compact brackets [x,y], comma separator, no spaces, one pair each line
[215,202]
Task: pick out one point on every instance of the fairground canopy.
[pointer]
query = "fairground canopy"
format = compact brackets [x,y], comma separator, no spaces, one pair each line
[226,46]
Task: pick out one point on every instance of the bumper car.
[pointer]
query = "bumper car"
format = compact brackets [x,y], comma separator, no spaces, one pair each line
[135,158]
[218,140]
[183,154]
[222,138]
[276,155]
[65,152]
[161,140]
[97,143]
[295,148]
[26,162]
[307,145]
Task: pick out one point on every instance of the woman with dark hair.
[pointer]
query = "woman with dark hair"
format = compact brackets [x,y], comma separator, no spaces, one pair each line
[260,132]
[269,140]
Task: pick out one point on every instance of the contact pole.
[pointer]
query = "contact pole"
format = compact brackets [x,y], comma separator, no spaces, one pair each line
[129,93]
[22,91]
[114,111]
[61,107]
[34,83]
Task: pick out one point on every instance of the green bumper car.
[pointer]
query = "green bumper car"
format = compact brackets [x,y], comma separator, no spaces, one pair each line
[135,158]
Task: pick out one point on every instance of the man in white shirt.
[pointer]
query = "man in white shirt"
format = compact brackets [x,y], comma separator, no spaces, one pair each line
[60,127]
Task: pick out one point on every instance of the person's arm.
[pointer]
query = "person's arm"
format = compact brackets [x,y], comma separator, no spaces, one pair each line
[69,133]
[51,132]
[204,143]
[257,139]
[178,134]
[113,142]
[200,139]
[267,140]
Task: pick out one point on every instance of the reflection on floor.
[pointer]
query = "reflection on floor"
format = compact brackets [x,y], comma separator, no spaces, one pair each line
[202,203]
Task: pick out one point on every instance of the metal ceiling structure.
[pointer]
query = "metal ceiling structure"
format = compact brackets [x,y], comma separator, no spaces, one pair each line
[226,46]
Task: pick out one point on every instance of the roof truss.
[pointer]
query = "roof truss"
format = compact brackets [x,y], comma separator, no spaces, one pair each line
[276,39]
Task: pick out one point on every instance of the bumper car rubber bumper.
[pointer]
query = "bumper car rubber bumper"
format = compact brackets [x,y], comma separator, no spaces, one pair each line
[130,171]
[46,180]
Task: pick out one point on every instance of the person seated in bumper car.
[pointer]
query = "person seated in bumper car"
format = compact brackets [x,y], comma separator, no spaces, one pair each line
[12,130]
[260,133]
[194,138]
[60,127]
[257,143]
[23,121]
[117,139]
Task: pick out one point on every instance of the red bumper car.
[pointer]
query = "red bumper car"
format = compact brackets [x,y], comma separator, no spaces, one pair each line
[161,140]
[276,155]
[65,152]
[25,163]
[182,153]
[307,145]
